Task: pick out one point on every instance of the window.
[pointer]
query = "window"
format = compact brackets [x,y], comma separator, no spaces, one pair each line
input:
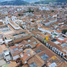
[16,45]
[26,45]
[33,29]
[21,46]
[11,49]
[33,64]
[44,57]
[20,49]
[37,51]
[28,40]
[22,33]
[8,62]
[15,34]
[22,55]
[15,49]
[53,40]
[64,45]
[35,42]
[53,65]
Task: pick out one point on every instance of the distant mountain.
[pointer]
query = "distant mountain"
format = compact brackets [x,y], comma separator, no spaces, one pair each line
[25,2]
[15,2]
[31,0]
[61,1]
[47,1]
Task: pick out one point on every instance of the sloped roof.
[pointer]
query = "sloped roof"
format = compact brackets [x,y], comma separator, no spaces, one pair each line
[62,65]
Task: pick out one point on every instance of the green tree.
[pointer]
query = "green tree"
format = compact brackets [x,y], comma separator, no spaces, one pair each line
[18,14]
[52,11]
[64,31]
[63,6]
[29,10]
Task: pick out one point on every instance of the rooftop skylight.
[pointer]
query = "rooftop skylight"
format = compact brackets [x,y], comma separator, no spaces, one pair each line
[33,64]
[28,51]
[44,57]
[37,51]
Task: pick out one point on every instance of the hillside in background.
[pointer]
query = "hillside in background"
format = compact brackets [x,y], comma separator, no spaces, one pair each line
[47,1]
[25,2]
[16,2]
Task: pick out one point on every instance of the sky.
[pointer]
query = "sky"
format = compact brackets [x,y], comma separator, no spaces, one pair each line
[4,0]
[24,0]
